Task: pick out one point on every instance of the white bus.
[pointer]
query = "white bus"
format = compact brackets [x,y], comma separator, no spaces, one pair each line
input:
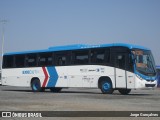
[108,67]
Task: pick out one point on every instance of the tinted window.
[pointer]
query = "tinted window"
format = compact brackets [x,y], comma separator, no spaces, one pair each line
[101,56]
[8,61]
[107,56]
[130,63]
[61,59]
[120,61]
[45,59]
[31,60]
[97,56]
[81,57]
[19,60]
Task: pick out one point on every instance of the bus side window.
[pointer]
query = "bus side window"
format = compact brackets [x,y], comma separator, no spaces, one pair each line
[93,56]
[8,61]
[19,60]
[45,59]
[101,56]
[120,61]
[107,56]
[31,60]
[130,63]
[81,57]
[98,56]
[61,59]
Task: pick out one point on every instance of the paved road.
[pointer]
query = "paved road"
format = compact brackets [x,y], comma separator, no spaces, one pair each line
[73,99]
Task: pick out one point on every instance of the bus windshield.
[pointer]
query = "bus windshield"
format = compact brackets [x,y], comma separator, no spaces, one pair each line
[144,62]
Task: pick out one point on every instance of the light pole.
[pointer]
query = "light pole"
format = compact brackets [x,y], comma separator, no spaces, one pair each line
[2,50]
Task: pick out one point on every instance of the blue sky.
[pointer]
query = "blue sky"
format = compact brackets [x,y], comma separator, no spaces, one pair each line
[38,24]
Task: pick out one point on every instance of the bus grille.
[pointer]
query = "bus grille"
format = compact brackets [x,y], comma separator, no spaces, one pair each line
[150,85]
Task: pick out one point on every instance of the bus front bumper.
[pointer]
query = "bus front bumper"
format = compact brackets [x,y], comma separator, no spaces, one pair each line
[141,83]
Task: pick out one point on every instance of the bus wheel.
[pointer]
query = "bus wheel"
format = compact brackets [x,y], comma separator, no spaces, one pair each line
[106,87]
[55,89]
[124,91]
[36,86]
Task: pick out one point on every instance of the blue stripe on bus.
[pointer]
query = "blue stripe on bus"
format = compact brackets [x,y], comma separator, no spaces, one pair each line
[152,78]
[53,77]
[79,46]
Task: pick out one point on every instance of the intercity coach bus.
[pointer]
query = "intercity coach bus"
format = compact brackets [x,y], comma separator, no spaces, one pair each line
[109,67]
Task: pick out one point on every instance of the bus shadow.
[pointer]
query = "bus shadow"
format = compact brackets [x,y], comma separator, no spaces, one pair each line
[133,94]
[48,91]
[84,92]
[18,90]
[139,94]
[81,92]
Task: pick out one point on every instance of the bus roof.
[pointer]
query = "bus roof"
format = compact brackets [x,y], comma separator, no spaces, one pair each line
[80,46]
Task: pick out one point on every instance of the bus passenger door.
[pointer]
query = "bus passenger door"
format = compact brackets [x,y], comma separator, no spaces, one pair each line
[120,70]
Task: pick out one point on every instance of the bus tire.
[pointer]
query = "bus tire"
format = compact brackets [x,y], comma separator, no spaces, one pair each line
[36,86]
[106,87]
[124,91]
[56,90]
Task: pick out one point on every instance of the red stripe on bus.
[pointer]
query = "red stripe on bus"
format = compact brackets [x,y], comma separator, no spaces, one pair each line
[46,76]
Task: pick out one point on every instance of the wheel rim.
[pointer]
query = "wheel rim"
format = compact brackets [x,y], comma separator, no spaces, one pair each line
[106,86]
[35,86]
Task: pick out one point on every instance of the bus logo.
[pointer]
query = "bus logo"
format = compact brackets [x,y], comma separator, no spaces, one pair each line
[30,72]
[6,114]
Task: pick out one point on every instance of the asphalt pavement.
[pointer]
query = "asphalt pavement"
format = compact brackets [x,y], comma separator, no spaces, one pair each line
[78,99]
